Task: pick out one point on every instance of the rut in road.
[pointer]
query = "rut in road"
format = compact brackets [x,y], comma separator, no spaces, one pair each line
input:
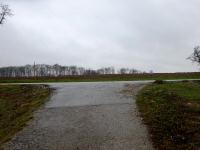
[86,116]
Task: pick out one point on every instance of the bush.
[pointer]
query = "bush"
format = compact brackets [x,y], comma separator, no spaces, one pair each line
[159,82]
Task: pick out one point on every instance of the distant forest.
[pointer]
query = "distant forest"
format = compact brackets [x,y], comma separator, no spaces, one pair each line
[58,70]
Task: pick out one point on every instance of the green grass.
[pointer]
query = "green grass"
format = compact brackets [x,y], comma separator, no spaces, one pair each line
[172,113]
[96,78]
[17,104]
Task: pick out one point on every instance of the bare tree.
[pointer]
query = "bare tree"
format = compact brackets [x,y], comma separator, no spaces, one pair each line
[195,56]
[4,12]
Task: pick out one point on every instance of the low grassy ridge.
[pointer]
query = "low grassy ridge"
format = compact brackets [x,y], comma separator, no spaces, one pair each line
[171,111]
[109,77]
[17,103]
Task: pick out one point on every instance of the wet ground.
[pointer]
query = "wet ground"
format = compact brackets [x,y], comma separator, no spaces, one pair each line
[86,116]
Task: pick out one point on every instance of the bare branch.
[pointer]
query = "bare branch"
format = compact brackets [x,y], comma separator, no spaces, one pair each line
[195,56]
[4,12]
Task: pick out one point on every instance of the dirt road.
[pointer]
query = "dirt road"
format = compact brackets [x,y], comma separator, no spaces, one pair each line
[85,116]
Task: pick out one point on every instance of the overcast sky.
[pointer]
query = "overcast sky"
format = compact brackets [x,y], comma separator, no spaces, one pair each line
[144,34]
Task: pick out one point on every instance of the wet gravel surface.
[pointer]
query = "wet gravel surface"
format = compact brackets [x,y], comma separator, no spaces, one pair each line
[86,116]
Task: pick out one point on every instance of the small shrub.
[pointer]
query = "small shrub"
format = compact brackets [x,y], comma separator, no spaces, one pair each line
[159,82]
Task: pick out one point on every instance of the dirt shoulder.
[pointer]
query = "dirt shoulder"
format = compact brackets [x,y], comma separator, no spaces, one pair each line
[17,104]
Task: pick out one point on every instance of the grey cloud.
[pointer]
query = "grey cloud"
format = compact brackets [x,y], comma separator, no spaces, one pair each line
[156,34]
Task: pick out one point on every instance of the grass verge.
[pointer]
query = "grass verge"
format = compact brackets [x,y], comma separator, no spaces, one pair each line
[17,104]
[171,111]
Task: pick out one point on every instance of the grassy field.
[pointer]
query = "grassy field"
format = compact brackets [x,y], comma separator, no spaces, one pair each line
[172,114]
[94,78]
[17,103]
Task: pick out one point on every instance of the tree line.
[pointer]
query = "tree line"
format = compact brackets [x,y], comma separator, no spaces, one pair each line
[59,70]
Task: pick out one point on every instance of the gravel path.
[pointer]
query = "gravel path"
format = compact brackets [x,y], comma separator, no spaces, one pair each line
[86,116]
